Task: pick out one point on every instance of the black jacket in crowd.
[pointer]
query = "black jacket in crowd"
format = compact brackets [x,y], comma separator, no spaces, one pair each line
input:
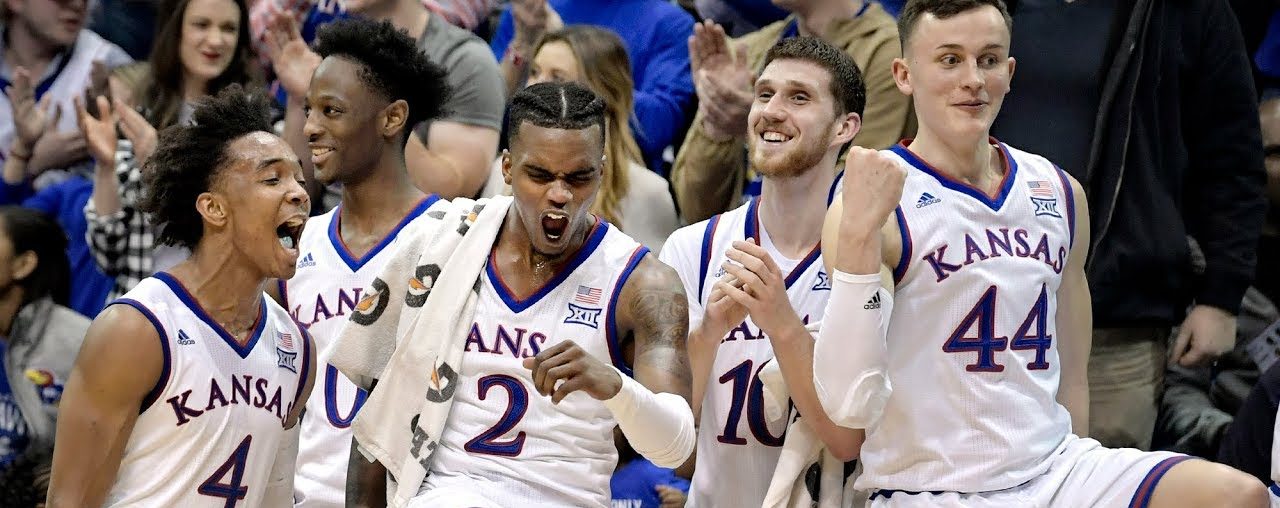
[1176,151]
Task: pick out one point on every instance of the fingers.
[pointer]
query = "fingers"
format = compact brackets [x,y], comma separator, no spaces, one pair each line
[1180,345]
[544,361]
[752,282]
[132,123]
[573,382]
[754,257]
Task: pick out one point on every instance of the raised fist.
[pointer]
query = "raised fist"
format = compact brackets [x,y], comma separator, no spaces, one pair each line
[872,189]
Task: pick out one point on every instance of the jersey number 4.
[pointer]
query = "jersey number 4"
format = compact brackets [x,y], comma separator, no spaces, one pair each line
[234,489]
[1032,335]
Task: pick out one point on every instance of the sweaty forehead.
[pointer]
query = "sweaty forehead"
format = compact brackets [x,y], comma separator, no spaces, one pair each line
[556,149]
[255,150]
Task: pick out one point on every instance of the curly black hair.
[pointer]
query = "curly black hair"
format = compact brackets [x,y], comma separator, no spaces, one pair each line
[564,105]
[390,63]
[188,157]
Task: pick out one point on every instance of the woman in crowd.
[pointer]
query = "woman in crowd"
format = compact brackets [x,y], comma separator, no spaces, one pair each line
[200,48]
[39,338]
[631,197]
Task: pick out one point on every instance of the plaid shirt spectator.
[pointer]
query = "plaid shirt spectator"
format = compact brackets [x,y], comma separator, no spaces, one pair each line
[122,243]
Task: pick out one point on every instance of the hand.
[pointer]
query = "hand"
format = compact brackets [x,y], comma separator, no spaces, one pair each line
[872,189]
[99,132]
[764,288]
[580,371]
[533,18]
[292,59]
[722,313]
[670,497]
[30,119]
[722,81]
[1206,334]
[56,149]
[140,132]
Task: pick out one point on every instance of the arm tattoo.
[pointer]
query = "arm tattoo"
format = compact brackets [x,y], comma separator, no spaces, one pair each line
[660,318]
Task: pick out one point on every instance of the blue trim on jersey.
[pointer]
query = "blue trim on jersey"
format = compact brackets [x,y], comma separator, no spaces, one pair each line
[611,321]
[335,235]
[708,237]
[993,202]
[164,347]
[306,365]
[1275,490]
[185,296]
[1142,495]
[804,265]
[284,294]
[751,226]
[1071,204]
[584,252]
[904,260]
[837,183]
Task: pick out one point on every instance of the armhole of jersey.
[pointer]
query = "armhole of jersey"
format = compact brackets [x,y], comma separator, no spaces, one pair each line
[708,236]
[835,185]
[284,295]
[904,258]
[306,361]
[1071,204]
[164,347]
[611,321]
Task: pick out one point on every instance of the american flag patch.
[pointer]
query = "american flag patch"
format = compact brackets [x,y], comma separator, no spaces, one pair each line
[587,295]
[1040,189]
[286,340]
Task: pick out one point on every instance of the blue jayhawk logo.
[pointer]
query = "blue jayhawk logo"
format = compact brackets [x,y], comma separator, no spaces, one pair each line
[287,360]
[585,316]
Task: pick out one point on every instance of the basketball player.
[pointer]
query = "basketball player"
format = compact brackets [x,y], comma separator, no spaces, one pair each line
[988,327]
[569,309]
[184,388]
[370,85]
[809,101]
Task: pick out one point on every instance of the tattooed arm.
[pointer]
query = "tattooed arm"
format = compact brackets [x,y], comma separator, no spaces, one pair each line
[654,313]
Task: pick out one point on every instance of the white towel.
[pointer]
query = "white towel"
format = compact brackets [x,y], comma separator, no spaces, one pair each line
[412,344]
[806,475]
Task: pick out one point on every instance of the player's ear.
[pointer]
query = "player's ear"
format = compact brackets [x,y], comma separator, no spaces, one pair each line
[902,75]
[394,117]
[212,207]
[846,128]
[506,166]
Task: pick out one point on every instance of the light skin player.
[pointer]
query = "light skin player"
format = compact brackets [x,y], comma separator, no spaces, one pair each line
[554,174]
[958,71]
[235,226]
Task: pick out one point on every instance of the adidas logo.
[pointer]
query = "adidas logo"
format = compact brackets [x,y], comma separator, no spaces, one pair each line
[306,261]
[873,303]
[184,339]
[926,199]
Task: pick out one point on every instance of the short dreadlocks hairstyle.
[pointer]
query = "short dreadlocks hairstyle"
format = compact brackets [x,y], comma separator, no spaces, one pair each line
[188,158]
[390,63]
[565,105]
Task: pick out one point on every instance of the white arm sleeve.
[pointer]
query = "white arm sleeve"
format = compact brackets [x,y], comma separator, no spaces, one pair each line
[658,425]
[850,358]
[279,489]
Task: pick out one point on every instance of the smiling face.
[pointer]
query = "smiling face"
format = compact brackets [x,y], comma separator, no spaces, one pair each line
[258,199]
[209,33]
[343,119]
[957,71]
[554,175]
[793,119]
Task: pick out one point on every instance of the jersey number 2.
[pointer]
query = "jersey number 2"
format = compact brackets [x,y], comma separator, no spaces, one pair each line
[233,490]
[1031,335]
[517,403]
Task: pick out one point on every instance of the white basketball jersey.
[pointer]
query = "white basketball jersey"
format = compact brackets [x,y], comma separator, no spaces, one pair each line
[738,447]
[973,352]
[208,433]
[327,285]
[503,440]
